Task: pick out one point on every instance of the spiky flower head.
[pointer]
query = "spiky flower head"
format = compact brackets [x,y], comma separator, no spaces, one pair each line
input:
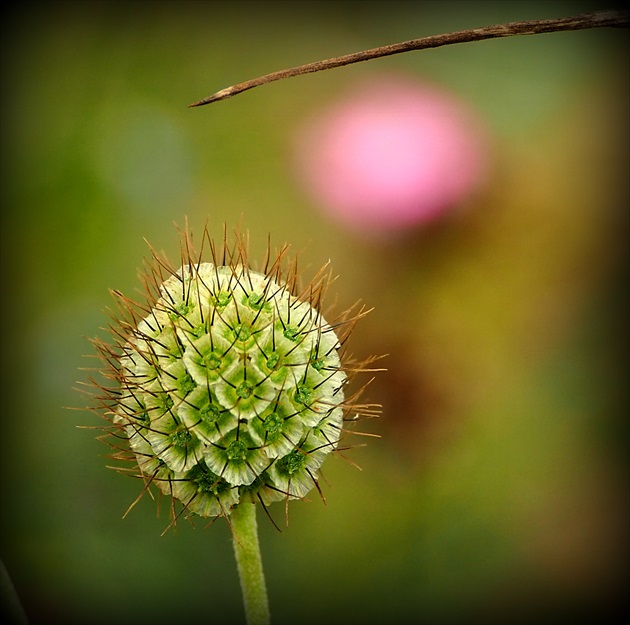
[227,384]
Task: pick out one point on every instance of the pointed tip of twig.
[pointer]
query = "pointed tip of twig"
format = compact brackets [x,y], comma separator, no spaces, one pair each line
[196,104]
[200,103]
[215,97]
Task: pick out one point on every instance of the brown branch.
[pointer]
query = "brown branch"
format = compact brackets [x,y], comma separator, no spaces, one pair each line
[597,19]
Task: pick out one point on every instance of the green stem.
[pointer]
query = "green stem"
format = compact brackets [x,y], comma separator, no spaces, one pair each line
[249,563]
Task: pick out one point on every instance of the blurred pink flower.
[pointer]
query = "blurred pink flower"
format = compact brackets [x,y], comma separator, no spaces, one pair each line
[392,154]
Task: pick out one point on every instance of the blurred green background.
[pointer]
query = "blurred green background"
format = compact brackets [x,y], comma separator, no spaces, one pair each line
[498,492]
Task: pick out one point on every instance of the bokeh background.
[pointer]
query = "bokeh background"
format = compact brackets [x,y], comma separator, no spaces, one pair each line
[498,491]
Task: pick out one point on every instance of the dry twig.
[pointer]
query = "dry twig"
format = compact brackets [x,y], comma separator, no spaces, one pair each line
[597,19]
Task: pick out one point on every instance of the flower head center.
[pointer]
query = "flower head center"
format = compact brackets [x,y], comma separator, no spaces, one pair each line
[273,361]
[292,463]
[273,423]
[209,413]
[212,361]
[236,451]
[292,333]
[245,389]
[221,299]
[181,439]
[180,310]
[256,301]
[303,395]
[242,332]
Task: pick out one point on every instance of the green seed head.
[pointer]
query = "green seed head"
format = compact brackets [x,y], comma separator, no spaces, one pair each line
[230,382]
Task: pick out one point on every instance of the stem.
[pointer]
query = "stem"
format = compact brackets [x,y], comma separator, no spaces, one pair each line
[249,563]
[597,19]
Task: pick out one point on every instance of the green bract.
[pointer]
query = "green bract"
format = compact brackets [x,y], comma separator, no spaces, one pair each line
[230,385]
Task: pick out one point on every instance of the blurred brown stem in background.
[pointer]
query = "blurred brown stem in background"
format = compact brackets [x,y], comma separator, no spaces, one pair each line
[595,19]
